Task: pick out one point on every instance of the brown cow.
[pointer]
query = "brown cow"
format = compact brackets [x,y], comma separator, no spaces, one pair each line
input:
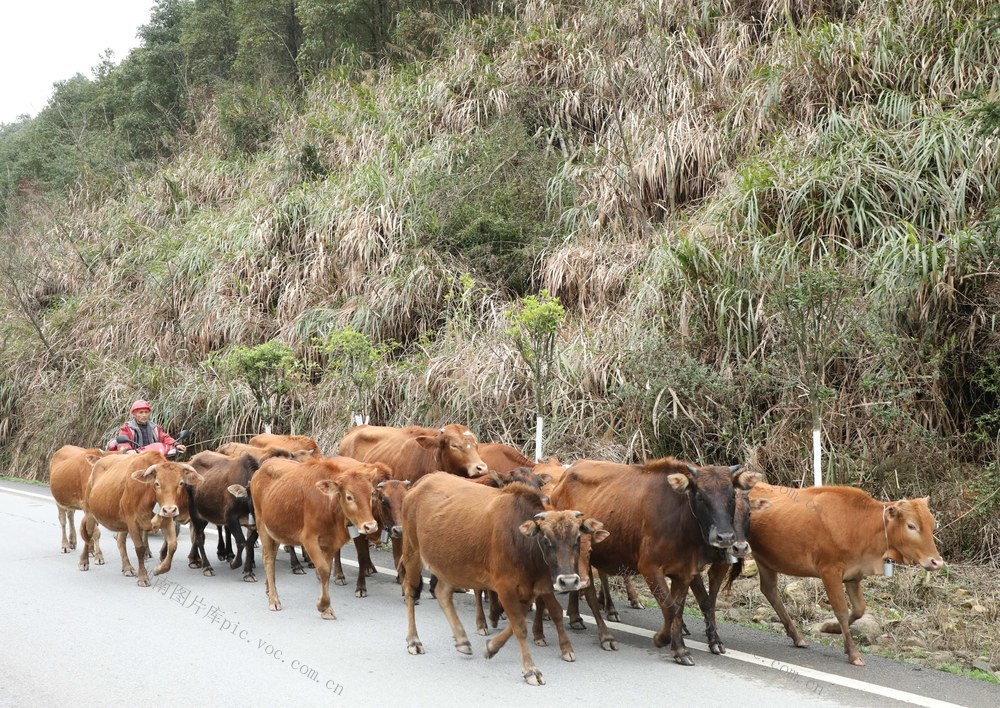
[665,517]
[387,507]
[503,458]
[238,449]
[137,494]
[309,503]
[413,452]
[521,550]
[214,504]
[840,535]
[292,443]
[69,471]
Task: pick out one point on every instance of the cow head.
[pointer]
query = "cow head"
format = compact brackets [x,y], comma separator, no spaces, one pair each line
[741,521]
[387,504]
[587,540]
[353,490]
[559,535]
[168,480]
[909,526]
[711,493]
[457,451]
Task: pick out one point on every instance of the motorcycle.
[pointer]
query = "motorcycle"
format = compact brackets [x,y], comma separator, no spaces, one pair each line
[168,451]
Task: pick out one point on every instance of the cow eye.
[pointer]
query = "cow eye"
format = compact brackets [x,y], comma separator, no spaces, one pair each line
[912,526]
[350,498]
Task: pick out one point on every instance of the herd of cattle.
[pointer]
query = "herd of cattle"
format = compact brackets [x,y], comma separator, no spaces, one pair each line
[481,516]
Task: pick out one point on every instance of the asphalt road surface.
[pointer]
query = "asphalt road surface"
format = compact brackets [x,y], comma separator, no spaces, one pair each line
[96,638]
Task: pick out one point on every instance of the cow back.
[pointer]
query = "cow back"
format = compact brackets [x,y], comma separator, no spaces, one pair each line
[291,443]
[69,471]
[503,458]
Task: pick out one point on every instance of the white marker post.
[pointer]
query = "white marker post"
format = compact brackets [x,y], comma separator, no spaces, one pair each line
[538,438]
[817,460]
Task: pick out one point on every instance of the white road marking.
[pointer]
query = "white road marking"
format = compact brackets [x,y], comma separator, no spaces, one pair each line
[774,664]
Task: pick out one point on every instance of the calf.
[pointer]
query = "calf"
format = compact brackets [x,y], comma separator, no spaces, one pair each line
[137,494]
[69,471]
[309,503]
[840,535]
[474,536]
[414,452]
[666,517]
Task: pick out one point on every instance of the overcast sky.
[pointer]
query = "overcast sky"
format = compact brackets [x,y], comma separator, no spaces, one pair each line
[44,41]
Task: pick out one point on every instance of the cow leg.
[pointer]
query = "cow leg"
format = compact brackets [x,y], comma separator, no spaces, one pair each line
[248,575]
[411,589]
[127,570]
[481,627]
[432,588]
[671,604]
[194,557]
[268,551]
[834,584]
[293,558]
[338,570]
[706,602]
[517,626]
[65,545]
[607,639]
[138,539]
[322,562]
[496,609]
[364,561]
[857,597]
[573,610]
[220,547]
[538,629]
[556,614]
[633,596]
[769,586]
[397,553]
[445,598]
[610,611]
[206,565]
[170,543]
[88,527]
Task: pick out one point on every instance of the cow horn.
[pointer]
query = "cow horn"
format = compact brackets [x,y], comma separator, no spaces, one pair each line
[380,485]
[189,468]
[541,515]
[577,514]
[149,470]
[693,470]
[734,470]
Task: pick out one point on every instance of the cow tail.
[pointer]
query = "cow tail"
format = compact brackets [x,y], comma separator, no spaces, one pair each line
[735,570]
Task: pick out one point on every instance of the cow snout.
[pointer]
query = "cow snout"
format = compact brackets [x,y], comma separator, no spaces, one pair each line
[567,583]
[740,549]
[721,540]
[933,564]
[396,532]
[370,527]
[478,470]
[169,511]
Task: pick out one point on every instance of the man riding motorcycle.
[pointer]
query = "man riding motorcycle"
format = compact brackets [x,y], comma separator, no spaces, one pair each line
[141,432]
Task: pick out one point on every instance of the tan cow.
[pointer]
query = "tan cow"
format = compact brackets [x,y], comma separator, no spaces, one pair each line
[503,458]
[840,535]
[291,443]
[237,450]
[309,503]
[133,495]
[69,471]
[414,452]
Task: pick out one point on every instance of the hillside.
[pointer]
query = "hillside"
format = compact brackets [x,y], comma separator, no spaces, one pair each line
[755,213]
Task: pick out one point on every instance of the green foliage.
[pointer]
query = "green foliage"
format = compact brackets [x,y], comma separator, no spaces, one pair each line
[270,370]
[352,365]
[247,115]
[535,322]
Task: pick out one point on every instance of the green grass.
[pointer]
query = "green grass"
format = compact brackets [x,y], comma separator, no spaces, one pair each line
[21,480]
[976,674]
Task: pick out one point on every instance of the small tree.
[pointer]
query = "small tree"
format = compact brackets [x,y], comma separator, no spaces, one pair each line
[535,322]
[270,370]
[353,359]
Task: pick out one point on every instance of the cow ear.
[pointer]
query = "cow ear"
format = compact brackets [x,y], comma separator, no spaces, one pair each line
[759,504]
[427,442]
[328,487]
[693,471]
[407,483]
[678,481]
[544,477]
[529,528]
[237,490]
[745,480]
[596,529]
[892,510]
[145,476]
[193,478]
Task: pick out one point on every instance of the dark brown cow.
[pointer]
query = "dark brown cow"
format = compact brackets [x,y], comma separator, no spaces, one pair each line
[521,550]
[213,503]
[292,443]
[413,452]
[69,471]
[137,494]
[309,503]
[666,517]
[840,535]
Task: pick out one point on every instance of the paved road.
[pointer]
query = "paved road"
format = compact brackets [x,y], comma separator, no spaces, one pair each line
[97,638]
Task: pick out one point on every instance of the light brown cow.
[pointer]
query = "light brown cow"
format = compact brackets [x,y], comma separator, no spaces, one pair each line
[414,452]
[292,443]
[133,495]
[840,535]
[520,550]
[309,503]
[237,450]
[69,471]
[503,458]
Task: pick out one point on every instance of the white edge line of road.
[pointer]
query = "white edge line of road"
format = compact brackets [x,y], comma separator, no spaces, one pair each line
[775,664]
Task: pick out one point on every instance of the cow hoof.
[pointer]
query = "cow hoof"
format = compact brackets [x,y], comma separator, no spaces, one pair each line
[232,564]
[142,582]
[800,643]
[66,549]
[83,565]
[194,564]
[298,570]
[209,572]
[161,569]
[568,655]
[609,644]
[684,659]
[249,578]
[222,557]
[534,677]
[361,592]
[99,559]
[635,605]
[338,581]
[483,631]
[576,623]
[661,640]
[717,648]
[274,606]
[464,648]
[370,570]
[327,614]
[541,642]
[613,616]
[489,652]
[415,647]
[128,572]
